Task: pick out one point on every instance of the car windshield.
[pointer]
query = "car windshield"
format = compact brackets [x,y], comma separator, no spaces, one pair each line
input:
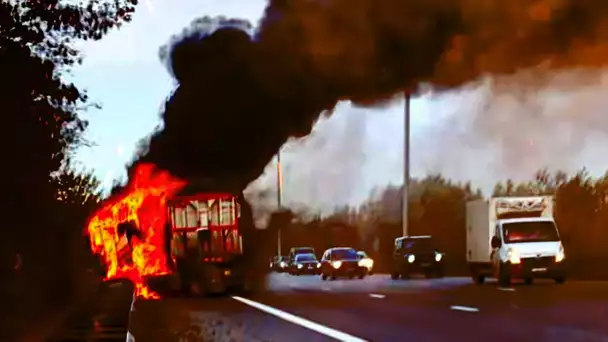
[362,254]
[305,257]
[517,232]
[419,245]
[339,254]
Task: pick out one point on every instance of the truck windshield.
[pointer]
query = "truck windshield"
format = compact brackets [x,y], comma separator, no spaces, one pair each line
[530,232]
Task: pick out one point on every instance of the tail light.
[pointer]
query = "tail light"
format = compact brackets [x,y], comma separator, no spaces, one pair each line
[213,259]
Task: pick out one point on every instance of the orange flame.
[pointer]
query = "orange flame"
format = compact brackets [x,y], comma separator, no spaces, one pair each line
[142,202]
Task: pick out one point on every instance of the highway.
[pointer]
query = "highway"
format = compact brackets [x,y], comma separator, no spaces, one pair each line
[377,308]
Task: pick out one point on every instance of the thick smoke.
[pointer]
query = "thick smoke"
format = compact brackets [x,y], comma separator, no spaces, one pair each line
[241,96]
[492,134]
[319,171]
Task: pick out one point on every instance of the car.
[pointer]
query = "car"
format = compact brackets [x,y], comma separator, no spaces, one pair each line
[341,262]
[279,263]
[416,255]
[305,264]
[299,250]
[366,261]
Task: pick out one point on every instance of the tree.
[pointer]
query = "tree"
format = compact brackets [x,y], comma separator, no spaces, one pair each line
[36,51]
[73,188]
[40,114]
[77,196]
[39,107]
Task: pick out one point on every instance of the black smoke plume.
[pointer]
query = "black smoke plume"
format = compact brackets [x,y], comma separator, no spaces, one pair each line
[240,94]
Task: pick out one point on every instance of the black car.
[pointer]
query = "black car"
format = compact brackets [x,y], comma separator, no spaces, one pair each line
[342,262]
[279,263]
[416,255]
[305,264]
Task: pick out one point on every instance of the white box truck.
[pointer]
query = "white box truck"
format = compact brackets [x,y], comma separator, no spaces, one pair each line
[514,238]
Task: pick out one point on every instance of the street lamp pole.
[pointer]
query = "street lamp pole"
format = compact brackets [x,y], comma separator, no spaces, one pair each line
[279,199]
[406,164]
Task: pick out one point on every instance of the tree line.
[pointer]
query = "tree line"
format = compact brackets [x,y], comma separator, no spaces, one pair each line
[437,207]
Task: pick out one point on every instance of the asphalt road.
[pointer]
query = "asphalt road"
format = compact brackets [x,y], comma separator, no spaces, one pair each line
[377,308]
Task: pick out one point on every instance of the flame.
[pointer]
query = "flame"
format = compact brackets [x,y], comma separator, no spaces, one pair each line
[143,203]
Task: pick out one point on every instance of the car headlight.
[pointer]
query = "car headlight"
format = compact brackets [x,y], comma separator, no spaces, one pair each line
[513,256]
[561,255]
[438,257]
[283,264]
[336,264]
[318,265]
[411,258]
[367,263]
[300,265]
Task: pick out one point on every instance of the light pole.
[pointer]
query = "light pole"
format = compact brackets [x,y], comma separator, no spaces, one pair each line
[279,199]
[406,163]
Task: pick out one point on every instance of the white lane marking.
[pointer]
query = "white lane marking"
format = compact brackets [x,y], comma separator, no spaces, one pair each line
[375,295]
[464,308]
[321,329]
[506,289]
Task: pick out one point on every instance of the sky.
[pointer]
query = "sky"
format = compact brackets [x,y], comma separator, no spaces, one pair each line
[486,131]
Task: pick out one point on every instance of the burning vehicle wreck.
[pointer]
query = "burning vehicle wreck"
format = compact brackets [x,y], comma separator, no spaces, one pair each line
[168,237]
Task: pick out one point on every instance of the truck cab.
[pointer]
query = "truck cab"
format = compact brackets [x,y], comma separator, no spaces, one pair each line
[514,238]
[295,251]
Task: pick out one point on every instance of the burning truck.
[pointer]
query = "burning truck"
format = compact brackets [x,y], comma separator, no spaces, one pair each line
[195,241]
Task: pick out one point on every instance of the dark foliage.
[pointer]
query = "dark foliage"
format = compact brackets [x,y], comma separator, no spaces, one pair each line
[41,128]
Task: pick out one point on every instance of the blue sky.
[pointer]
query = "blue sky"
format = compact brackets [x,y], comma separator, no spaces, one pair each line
[496,134]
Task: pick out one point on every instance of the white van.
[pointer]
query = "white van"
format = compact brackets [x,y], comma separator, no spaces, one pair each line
[514,237]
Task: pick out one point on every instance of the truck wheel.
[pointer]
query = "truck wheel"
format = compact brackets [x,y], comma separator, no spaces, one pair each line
[361,276]
[560,280]
[405,275]
[394,276]
[323,277]
[332,278]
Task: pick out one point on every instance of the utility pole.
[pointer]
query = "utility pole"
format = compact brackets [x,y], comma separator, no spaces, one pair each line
[406,164]
[279,199]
